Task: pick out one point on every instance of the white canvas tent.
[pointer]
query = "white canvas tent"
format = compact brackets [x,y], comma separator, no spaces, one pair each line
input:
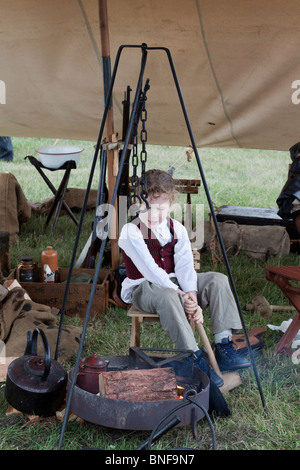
[236,62]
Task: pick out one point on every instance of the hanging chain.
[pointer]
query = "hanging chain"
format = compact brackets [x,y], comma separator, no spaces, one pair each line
[143,155]
[135,180]
[135,161]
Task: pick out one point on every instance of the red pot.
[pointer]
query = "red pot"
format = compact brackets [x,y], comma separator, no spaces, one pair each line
[89,370]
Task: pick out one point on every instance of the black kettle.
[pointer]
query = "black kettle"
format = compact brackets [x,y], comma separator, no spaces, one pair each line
[36,385]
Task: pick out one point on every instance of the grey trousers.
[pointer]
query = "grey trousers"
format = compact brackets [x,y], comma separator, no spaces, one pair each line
[213,292]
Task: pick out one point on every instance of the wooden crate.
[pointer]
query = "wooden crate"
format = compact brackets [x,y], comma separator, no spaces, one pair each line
[52,294]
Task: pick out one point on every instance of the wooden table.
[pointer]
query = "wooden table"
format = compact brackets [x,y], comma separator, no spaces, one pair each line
[284,277]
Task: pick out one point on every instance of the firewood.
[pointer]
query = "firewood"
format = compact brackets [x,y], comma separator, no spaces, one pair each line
[139,385]
[60,415]
[4,363]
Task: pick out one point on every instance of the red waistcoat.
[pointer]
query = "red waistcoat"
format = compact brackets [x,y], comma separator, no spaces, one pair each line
[162,255]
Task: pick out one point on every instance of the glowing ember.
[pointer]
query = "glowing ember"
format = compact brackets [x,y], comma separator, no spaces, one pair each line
[180,391]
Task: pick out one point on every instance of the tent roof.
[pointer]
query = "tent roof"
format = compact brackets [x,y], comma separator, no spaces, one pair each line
[236,63]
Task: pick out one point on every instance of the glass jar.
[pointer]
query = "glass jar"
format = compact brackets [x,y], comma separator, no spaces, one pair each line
[27,270]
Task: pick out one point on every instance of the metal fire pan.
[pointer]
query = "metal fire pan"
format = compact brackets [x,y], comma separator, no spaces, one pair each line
[143,415]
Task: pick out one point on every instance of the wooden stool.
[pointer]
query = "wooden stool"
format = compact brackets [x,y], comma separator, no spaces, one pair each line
[59,194]
[139,317]
[282,275]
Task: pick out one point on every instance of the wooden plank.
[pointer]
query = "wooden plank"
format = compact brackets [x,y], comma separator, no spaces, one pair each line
[187,182]
[4,363]
[231,381]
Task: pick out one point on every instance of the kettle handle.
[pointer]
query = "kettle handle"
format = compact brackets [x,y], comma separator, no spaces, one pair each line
[18,272]
[46,349]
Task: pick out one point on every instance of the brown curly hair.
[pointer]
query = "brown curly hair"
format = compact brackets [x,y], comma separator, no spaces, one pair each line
[160,182]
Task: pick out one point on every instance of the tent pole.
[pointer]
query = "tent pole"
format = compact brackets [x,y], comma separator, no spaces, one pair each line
[105,50]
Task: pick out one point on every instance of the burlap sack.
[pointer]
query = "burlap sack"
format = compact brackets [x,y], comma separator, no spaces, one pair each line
[256,241]
[14,208]
[18,315]
[74,198]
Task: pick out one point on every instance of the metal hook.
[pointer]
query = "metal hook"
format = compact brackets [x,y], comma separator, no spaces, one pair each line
[144,197]
[135,207]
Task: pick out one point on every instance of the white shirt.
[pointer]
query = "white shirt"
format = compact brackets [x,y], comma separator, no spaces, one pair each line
[132,242]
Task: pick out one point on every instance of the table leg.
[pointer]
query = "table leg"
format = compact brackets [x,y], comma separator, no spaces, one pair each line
[283,345]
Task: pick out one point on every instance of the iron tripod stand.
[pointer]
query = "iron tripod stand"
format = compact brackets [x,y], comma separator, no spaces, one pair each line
[144,50]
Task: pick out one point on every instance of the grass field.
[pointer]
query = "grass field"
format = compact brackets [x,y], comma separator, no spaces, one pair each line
[234,177]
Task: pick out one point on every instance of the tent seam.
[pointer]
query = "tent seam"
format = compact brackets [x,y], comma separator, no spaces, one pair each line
[98,55]
[214,74]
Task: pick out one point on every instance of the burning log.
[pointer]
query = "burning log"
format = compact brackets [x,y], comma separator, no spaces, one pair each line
[139,385]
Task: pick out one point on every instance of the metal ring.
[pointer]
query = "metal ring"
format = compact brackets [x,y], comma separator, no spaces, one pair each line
[190,393]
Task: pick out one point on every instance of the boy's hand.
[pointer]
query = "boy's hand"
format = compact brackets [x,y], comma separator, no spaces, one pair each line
[191,307]
[197,315]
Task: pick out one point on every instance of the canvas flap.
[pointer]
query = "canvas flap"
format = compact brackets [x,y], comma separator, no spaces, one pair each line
[237,63]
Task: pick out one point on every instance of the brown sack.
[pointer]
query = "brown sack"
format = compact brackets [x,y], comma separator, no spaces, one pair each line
[14,208]
[19,314]
[74,198]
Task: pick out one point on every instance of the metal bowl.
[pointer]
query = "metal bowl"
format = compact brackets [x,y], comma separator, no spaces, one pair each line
[55,156]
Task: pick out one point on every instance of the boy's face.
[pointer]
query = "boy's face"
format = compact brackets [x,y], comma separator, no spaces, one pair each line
[159,208]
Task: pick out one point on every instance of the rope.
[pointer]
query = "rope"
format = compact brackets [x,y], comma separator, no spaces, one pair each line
[215,246]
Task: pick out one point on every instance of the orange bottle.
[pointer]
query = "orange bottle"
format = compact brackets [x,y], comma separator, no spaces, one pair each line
[49,264]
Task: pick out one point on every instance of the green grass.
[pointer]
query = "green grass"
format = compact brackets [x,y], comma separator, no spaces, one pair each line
[234,177]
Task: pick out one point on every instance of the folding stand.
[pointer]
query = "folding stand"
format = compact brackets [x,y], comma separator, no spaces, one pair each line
[59,193]
[144,49]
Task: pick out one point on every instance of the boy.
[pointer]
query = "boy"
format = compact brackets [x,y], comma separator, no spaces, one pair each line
[161,279]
